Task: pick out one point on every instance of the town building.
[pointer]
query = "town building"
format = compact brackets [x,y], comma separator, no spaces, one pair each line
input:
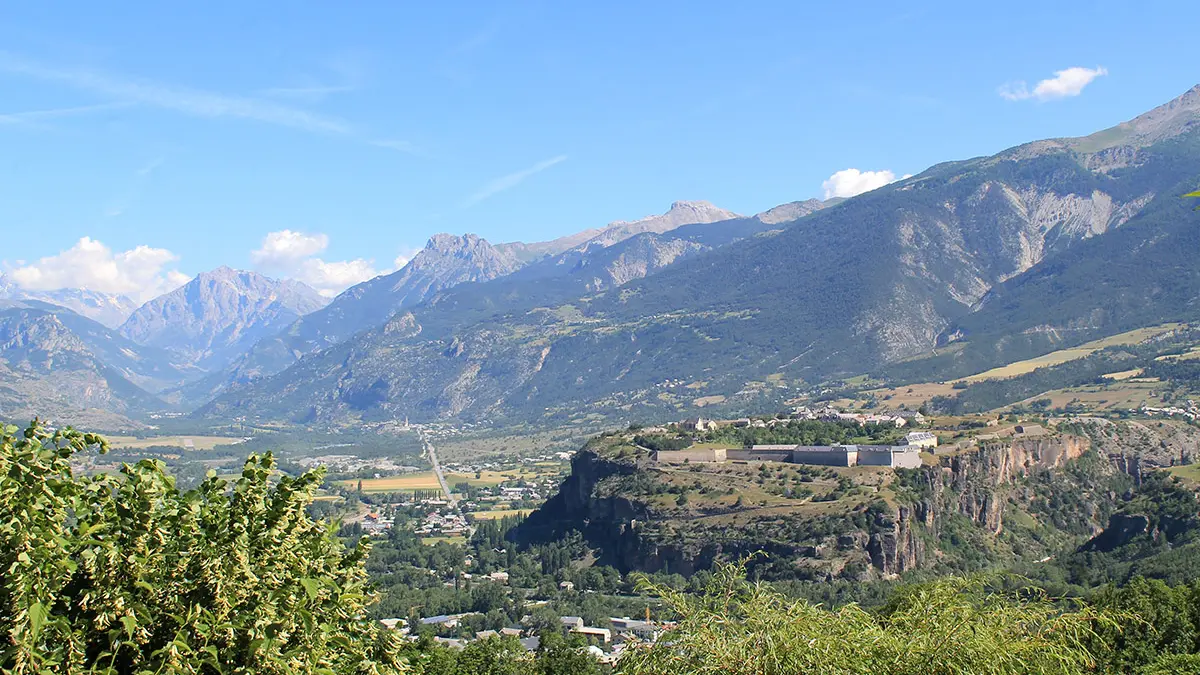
[921,439]
[602,634]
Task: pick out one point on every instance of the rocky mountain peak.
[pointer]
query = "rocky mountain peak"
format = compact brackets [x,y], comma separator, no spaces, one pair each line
[219,314]
[785,213]
[681,213]
[445,242]
[471,249]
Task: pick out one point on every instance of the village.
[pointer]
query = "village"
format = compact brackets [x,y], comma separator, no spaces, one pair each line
[606,644]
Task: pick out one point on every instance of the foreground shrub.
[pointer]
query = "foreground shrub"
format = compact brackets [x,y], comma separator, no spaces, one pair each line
[948,627]
[126,574]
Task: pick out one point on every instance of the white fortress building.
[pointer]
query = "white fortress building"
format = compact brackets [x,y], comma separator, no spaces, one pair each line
[895,456]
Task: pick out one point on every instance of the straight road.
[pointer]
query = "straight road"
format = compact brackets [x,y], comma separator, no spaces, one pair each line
[437,470]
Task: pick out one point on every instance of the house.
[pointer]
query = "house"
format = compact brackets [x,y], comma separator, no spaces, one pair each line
[921,439]
[602,634]
[444,620]
[1030,430]
[395,624]
[571,622]
[698,424]
[912,416]
[485,634]
[501,577]
[643,630]
[567,586]
[531,644]
[450,642]
[511,632]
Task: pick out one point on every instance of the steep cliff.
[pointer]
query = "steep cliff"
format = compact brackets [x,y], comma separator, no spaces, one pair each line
[640,516]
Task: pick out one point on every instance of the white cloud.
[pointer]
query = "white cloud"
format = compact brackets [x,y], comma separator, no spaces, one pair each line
[285,246]
[139,272]
[510,181]
[1065,83]
[331,278]
[851,182]
[194,102]
[294,255]
[406,254]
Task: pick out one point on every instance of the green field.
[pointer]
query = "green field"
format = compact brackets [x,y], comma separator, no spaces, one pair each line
[1188,473]
[184,442]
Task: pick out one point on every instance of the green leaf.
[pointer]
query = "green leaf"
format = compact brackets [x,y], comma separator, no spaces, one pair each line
[130,624]
[312,586]
[37,618]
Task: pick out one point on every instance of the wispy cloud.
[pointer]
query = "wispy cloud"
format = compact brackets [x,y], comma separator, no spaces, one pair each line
[1065,83]
[35,117]
[510,181]
[397,145]
[185,100]
[311,94]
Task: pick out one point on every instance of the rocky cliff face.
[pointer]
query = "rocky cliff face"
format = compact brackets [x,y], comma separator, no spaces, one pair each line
[973,485]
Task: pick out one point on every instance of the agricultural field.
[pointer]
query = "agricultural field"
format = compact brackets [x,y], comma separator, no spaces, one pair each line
[485,479]
[1122,394]
[1064,355]
[424,480]
[184,442]
[470,448]
[911,396]
[498,514]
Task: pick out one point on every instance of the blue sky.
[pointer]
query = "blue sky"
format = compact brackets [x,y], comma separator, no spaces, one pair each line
[354,134]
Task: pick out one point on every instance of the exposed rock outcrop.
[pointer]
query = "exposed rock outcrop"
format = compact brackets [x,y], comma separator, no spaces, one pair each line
[973,484]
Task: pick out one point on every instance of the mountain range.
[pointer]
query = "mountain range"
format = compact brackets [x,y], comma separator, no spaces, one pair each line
[951,255]
[968,264]
[109,309]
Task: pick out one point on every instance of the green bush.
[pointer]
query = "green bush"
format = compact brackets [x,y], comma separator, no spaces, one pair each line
[947,627]
[127,574]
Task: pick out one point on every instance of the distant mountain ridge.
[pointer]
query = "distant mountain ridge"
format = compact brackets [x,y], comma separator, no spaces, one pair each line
[680,213]
[843,290]
[110,309]
[448,261]
[218,315]
[59,365]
